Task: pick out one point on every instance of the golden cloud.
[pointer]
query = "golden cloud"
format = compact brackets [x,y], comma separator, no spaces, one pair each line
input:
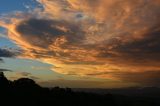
[90,37]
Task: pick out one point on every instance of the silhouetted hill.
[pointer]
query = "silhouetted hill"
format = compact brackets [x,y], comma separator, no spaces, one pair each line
[25,92]
[132,91]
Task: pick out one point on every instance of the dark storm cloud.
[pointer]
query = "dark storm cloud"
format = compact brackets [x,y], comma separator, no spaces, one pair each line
[146,48]
[38,29]
[34,30]
[7,53]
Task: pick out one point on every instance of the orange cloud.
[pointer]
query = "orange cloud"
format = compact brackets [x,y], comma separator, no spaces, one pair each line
[91,37]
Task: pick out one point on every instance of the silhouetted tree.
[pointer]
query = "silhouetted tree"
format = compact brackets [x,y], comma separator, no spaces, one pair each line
[4,83]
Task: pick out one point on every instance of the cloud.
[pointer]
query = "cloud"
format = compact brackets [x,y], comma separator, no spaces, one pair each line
[150,78]
[24,74]
[34,77]
[39,29]
[7,53]
[1,60]
[17,75]
[147,78]
[4,70]
[86,37]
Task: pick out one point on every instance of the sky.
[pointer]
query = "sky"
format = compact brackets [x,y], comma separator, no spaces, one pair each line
[81,43]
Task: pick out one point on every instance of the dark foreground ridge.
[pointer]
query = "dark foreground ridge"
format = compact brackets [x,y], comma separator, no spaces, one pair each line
[25,92]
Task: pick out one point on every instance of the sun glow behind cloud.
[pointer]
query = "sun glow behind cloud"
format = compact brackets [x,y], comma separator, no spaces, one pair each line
[117,40]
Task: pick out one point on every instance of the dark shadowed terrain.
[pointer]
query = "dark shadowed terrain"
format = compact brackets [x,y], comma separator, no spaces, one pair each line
[25,92]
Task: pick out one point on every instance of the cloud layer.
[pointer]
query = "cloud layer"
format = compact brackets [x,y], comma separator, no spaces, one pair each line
[116,40]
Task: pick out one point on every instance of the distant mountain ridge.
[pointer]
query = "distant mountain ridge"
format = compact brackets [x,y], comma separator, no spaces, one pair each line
[25,92]
[132,91]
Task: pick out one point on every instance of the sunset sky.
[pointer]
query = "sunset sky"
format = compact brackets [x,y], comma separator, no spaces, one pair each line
[81,43]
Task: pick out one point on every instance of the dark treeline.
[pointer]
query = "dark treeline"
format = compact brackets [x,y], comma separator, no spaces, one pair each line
[25,92]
